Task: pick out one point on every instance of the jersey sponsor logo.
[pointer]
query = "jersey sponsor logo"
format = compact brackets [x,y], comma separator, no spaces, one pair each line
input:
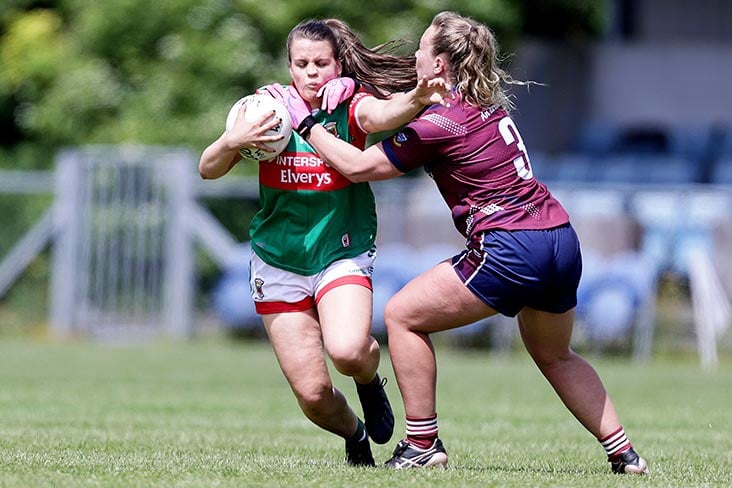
[300,171]
[346,240]
[368,271]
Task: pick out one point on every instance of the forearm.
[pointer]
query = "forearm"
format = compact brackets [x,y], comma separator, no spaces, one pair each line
[350,161]
[218,159]
[389,114]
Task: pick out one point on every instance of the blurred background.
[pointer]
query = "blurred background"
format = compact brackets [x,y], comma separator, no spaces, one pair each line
[109,233]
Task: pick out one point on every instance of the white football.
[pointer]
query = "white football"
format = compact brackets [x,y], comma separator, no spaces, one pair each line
[257,105]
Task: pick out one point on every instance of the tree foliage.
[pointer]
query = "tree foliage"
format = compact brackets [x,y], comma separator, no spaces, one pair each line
[75,72]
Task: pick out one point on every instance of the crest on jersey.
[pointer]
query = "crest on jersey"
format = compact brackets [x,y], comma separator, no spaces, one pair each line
[399,138]
[331,127]
[258,284]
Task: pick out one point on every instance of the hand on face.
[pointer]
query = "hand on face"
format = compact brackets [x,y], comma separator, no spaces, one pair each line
[336,91]
[312,65]
[434,90]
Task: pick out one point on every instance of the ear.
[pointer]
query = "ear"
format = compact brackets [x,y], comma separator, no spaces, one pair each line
[439,66]
[339,68]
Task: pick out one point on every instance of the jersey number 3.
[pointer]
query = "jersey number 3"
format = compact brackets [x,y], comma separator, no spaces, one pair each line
[510,134]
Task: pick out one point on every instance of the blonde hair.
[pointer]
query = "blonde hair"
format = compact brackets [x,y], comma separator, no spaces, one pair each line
[378,67]
[472,54]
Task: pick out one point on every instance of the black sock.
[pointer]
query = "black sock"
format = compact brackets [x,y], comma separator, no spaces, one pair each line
[359,435]
[376,381]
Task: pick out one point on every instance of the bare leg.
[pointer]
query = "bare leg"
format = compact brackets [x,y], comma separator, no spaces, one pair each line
[345,318]
[297,343]
[547,338]
[434,301]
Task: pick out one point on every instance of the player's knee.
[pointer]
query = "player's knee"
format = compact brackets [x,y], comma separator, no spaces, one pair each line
[350,360]
[315,399]
[395,317]
[546,358]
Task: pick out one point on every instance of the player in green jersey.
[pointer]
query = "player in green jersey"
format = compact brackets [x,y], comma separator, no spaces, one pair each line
[313,238]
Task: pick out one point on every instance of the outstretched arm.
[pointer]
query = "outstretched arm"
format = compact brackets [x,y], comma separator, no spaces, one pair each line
[376,115]
[373,164]
[356,165]
[350,161]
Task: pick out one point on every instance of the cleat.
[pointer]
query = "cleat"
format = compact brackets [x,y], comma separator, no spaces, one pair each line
[408,456]
[359,453]
[629,462]
[377,413]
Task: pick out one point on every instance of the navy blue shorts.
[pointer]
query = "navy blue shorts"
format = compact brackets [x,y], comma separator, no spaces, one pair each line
[510,270]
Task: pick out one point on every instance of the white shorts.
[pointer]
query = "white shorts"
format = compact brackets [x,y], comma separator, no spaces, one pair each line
[275,290]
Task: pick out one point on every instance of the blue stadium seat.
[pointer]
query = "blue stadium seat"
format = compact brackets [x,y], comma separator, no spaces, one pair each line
[596,138]
[646,153]
[722,171]
[690,142]
[612,293]
[232,301]
[575,168]
[619,169]
[646,169]
[544,167]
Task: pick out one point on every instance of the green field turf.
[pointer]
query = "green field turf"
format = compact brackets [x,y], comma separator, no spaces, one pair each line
[220,414]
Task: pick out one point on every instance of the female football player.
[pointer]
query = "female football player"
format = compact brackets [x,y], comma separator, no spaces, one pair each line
[313,239]
[522,256]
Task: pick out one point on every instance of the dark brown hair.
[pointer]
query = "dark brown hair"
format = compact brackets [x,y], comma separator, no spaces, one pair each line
[378,67]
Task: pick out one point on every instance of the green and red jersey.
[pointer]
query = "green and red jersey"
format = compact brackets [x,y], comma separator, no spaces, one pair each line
[310,214]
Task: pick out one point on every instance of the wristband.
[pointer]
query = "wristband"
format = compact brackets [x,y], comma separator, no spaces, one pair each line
[304,128]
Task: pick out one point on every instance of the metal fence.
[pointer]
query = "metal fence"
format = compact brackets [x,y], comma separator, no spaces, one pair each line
[126,219]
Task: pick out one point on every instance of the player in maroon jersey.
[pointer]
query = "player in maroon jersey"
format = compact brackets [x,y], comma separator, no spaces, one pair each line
[522,256]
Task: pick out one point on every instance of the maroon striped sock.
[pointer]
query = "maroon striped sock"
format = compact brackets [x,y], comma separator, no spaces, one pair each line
[422,432]
[615,444]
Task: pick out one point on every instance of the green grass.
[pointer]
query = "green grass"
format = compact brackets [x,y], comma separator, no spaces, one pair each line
[220,414]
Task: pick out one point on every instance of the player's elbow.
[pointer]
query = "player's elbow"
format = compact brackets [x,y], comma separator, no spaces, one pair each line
[204,173]
[357,171]
[207,173]
[360,174]
[356,175]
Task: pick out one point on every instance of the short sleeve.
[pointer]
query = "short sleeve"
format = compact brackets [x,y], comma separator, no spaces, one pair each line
[354,127]
[421,142]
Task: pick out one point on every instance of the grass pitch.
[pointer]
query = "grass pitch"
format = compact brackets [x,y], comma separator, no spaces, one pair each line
[220,414]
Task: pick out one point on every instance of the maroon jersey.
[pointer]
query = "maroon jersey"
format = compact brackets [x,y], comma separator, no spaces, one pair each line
[480,165]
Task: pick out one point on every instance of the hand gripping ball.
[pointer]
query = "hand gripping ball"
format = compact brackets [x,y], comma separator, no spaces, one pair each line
[257,105]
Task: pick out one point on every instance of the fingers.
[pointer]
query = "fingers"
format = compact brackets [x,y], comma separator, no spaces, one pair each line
[266,123]
[334,92]
[276,91]
[256,130]
[323,95]
[329,98]
[266,116]
[437,90]
[240,114]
